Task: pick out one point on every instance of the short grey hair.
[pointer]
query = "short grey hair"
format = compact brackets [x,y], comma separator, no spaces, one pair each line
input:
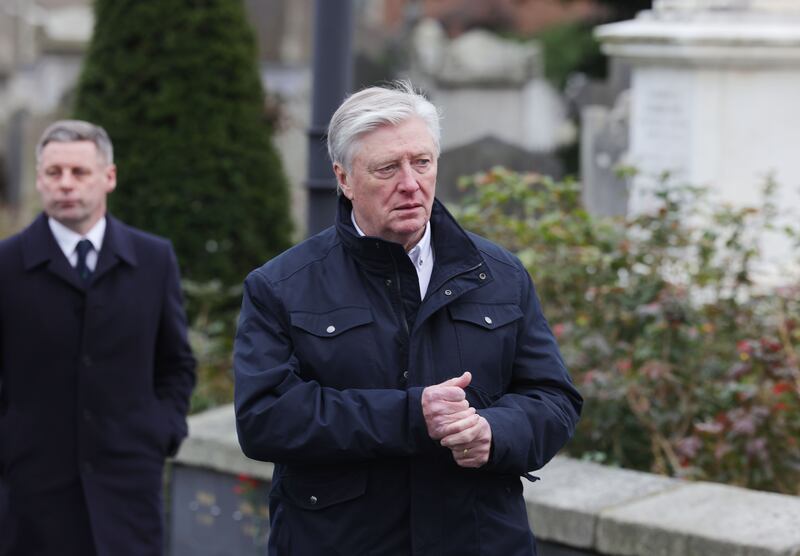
[67,131]
[375,107]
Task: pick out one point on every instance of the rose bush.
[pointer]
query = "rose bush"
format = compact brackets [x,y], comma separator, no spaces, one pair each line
[688,366]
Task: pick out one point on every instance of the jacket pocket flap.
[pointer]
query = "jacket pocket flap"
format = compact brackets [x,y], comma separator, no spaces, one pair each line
[332,323]
[485,315]
[316,493]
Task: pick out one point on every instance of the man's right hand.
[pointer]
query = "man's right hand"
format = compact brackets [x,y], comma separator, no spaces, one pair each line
[446,409]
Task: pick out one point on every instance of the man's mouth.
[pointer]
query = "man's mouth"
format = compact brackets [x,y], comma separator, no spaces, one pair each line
[409,206]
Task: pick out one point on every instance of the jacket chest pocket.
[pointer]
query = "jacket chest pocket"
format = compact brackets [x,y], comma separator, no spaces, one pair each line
[335,347]
[486,335]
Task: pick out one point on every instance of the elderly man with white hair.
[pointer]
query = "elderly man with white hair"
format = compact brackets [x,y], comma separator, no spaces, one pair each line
[397,369]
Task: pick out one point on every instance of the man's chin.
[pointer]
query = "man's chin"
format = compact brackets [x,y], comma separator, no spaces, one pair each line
[68,218]
[65,216]
[410,227]
[408,233]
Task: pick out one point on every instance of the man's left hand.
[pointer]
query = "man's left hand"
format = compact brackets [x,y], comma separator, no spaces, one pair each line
[471,447]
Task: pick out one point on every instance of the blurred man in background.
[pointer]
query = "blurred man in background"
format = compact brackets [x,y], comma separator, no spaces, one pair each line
[95,367]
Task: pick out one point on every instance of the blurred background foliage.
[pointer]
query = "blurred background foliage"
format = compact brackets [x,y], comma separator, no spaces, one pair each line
[688,367]
[213,311]
[179,91]
[569,48]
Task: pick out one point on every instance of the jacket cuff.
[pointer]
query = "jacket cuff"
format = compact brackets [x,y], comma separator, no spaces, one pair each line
[505,456]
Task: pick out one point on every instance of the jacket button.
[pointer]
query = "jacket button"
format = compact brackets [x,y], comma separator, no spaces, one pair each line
[87,360]
[488,320]
[312,500]
[448,292]
[331,329]
[388,282]
[482,276]
[405,375]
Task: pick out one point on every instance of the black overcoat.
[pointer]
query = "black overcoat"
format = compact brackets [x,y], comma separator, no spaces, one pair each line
[94,386]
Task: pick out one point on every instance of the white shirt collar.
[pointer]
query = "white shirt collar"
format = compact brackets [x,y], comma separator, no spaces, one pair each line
[421,255]
[353,219]
[421,252]
[68,239]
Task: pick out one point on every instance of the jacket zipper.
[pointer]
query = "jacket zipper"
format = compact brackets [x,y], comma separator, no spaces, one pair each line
[400,292]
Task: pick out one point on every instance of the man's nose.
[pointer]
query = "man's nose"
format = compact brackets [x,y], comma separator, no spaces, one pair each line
[66,180]
[408,178]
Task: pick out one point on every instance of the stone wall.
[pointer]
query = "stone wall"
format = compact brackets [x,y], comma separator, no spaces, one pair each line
[576,508]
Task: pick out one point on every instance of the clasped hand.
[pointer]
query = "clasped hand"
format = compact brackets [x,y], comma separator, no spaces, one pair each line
[455,424]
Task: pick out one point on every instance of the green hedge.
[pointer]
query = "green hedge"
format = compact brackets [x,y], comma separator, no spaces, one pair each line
[688,367]
[175,83]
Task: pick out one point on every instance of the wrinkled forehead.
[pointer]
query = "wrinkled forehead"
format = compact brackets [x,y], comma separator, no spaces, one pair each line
[394,141]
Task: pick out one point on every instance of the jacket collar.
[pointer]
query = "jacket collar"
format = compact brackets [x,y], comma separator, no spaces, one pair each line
[40,247]
[117,247]
[455,252]
[372,252]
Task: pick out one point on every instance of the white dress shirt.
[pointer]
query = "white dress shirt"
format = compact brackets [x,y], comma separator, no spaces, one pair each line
[421,256]
[68,241]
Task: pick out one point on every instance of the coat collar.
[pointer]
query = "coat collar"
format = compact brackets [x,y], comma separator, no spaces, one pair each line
[40,247]
[455,252]
[370,251]
[117,247]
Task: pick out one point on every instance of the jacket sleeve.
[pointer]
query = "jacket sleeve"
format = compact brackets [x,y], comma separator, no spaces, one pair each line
[537,415]
[174,362]
[282,417]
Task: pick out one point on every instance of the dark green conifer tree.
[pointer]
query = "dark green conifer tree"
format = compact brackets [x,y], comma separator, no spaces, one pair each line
[176,84]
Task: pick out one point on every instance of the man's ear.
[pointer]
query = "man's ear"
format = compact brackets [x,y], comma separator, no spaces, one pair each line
[111,178]
[341,180]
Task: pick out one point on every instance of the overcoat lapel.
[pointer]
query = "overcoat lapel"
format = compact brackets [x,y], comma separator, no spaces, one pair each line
[117,247]
[40,248]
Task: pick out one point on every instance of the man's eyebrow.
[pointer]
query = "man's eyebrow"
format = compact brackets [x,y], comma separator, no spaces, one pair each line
[385,161]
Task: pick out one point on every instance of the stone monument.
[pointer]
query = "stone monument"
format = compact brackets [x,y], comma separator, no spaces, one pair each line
[714,97]
[487,85]
[497,106]
[603,149]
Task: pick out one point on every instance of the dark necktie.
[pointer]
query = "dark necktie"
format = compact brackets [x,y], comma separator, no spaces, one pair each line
[83,248]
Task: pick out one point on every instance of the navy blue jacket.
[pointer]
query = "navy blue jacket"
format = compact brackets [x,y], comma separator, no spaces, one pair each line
[333,350]
[94,388]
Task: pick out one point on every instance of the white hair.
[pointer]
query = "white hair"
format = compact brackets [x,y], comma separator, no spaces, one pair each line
[375,107]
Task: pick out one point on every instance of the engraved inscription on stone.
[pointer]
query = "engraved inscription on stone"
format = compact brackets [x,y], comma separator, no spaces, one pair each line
[662,130]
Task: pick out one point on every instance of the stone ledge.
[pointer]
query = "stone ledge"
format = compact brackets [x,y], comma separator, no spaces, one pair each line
[590,506]
[213,444]
[566,505]
[701,519]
